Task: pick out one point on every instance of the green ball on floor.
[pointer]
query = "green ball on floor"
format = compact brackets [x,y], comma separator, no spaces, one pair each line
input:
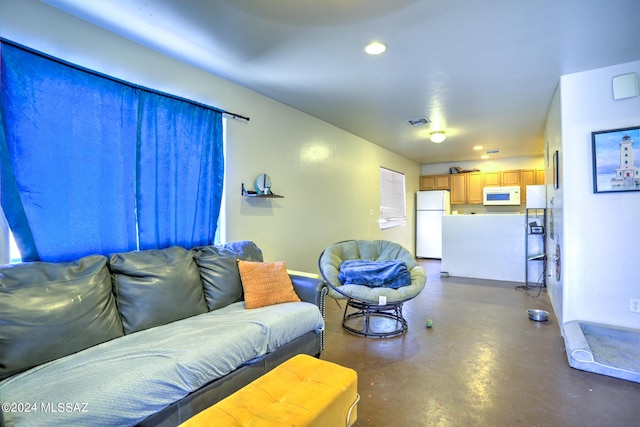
[429,323]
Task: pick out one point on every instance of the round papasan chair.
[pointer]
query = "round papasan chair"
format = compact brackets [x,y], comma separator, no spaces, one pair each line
[371,311]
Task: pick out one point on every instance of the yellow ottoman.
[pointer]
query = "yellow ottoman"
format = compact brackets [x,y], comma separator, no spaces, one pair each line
[303,391]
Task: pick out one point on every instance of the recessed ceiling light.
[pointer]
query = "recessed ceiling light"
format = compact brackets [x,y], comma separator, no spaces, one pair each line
[484,156]
[375,48]
[478,147]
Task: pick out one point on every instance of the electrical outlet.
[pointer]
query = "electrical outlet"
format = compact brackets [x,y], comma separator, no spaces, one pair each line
[634,305]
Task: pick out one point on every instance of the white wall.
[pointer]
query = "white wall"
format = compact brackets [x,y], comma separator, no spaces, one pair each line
[555,230]
[600,232]
[330,178]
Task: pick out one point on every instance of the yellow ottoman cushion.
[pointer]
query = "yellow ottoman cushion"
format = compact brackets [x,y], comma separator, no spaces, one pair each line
[303,391]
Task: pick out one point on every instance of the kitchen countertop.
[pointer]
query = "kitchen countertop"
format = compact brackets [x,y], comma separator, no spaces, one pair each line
[484,246]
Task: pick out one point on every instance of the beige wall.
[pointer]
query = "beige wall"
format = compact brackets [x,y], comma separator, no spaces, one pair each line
[330,178]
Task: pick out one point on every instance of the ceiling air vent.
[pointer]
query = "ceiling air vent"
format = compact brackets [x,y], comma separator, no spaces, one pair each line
[419,121]
[493,151]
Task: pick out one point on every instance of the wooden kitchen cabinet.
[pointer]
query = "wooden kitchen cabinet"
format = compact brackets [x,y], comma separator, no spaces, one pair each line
[427,182]
[458,189]
[530,177]
[492,179]
[435,182]
[466,188]
[498,178]
[511,178]
[443,182]
[474,188]
[527,177]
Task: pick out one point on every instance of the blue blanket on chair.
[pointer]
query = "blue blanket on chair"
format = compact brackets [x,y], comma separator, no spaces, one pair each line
[374,274]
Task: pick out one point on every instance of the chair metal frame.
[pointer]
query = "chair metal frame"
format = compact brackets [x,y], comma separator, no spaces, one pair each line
[366,309]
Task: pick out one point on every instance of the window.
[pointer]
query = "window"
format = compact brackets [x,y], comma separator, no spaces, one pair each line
[9,252]
[14,252]
[392,199]
[221,227]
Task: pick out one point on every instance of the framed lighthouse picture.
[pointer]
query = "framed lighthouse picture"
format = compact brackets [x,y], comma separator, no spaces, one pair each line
[616,160]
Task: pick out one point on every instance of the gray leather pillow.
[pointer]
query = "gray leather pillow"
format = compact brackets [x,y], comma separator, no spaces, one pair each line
[246,250]
[155,287]
[219,271]
[50,310]
[220,276]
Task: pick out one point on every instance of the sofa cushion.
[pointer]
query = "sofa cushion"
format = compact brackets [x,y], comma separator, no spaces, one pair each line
[156,286]
[220,276]
[219,271]
[50,310]
[124,381]
[266,283]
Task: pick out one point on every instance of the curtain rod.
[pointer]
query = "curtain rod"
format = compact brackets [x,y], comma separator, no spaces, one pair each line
[235,116]
[117,80]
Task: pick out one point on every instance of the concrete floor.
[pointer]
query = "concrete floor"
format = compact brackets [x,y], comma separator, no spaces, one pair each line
[482,363]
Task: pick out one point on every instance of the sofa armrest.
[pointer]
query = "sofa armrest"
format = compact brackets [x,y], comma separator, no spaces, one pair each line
[313,290]
[310,289]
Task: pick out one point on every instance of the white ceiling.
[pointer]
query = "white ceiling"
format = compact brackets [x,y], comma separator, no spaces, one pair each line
[483,71]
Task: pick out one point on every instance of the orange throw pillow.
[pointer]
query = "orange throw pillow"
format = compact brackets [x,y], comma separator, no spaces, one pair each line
[265,283]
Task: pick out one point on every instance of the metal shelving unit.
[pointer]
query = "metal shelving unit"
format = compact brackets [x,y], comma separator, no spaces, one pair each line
[535,252]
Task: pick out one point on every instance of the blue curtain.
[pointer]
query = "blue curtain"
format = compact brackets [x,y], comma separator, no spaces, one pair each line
[179,201]
[94,165]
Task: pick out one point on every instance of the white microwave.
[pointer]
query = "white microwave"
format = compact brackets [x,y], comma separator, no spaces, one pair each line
[501,196]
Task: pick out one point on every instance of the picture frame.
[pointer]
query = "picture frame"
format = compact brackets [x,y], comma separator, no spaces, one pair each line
[556,171]
[616,160]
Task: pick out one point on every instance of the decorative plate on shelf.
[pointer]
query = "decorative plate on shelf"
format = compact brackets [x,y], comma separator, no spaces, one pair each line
[263,184]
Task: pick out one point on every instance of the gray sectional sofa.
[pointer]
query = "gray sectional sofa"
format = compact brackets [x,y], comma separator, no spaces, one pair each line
[144,338]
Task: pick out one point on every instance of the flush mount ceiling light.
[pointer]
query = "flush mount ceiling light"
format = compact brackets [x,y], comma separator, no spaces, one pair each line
[375,48]
[438,136]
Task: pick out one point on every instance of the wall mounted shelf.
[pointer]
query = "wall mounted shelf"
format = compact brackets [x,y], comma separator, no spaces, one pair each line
[246,193]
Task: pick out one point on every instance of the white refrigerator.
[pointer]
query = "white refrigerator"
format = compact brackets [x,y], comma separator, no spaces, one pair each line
[431,206]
